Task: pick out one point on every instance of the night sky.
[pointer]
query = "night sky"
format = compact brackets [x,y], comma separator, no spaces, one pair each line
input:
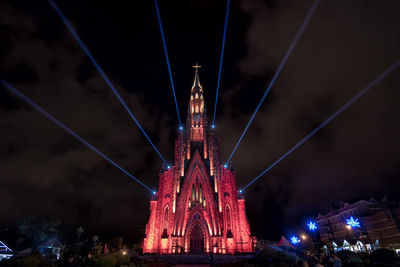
[346,45]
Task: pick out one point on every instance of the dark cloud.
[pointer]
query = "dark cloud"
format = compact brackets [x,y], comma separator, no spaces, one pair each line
[46,170]
[345,46]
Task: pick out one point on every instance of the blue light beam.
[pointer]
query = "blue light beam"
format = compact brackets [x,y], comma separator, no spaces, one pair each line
[49,116]
[330,118]
[228,4]
[100,70]
[281,65]
[167,59]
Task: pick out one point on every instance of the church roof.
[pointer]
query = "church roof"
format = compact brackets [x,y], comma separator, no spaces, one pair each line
[284,243]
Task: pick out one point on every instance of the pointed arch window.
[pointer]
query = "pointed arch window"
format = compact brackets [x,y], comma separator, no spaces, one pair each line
[165,222]
[198,196]
[228,222]
[201,194]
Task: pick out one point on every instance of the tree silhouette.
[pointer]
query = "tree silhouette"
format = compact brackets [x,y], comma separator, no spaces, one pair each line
[37,228]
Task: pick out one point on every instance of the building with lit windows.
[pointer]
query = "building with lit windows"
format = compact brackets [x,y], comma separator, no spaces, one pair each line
[197,208]
[379,225]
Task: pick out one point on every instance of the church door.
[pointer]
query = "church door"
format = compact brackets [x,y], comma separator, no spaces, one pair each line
[196,239]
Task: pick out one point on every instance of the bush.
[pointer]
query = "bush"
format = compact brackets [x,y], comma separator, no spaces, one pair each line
[121,259]
[33,260]
[30,261]
[106,261]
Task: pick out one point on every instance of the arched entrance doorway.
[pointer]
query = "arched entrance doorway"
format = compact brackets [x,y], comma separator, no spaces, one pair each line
[196,239]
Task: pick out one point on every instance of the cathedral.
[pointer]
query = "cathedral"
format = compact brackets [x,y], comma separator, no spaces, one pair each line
[197,208]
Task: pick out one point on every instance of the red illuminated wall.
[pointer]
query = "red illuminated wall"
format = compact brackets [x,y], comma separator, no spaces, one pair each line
[197,207]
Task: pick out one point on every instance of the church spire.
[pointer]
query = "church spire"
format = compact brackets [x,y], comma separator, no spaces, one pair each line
[196,83]
[197,119]
[196,104]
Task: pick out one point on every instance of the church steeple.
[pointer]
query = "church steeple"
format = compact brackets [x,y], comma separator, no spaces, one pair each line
[197,119]
[197,89]
[196,83]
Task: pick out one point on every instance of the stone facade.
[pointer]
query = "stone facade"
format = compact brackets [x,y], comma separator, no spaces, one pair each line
[197,208]
[379,224]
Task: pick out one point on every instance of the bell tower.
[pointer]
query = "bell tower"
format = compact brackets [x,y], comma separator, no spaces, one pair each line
[197,110]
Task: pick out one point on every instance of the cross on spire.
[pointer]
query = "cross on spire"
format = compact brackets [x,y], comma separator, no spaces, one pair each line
[196,67]
[196,83]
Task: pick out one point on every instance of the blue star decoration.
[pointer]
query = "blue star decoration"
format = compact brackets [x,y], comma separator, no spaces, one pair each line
[312,226]
[354,223]
[294,240]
